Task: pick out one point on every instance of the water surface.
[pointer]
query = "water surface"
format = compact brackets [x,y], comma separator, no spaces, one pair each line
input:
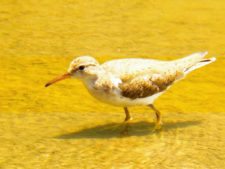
[64,127]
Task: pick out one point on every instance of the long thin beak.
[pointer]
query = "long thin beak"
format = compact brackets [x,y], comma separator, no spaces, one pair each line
[62,77]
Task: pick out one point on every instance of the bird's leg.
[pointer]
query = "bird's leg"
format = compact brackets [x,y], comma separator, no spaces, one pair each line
[127,113]
[158,116]
[126,124]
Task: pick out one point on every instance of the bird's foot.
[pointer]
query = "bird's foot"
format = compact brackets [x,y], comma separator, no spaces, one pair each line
[125,130]
[126,126]
[127,119]
[158,126]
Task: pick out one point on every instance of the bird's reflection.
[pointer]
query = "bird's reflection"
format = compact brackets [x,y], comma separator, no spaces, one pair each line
[125,129]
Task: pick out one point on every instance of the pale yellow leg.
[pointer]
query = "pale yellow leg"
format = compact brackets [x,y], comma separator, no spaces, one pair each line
[126,123]
[127,113]
[158,116]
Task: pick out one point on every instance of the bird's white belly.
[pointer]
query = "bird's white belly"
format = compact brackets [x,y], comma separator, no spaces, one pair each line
[116,99]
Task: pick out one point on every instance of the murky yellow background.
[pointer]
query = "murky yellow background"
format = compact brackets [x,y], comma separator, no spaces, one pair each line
[64,127]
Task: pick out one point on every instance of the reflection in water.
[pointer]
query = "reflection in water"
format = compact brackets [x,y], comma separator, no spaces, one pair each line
[126,129]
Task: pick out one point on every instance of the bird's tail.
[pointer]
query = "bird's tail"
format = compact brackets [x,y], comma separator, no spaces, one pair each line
[194,61]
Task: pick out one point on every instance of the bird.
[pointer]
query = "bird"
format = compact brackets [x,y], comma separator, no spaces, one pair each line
[132,81]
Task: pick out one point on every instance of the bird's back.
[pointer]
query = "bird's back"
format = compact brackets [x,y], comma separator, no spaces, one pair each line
[129,68]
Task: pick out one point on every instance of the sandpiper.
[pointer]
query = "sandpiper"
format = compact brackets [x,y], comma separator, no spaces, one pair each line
[133,81]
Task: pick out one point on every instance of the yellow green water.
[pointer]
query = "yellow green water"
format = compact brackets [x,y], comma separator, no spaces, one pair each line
[64,127]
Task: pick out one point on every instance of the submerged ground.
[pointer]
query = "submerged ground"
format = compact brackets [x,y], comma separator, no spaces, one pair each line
[64,127]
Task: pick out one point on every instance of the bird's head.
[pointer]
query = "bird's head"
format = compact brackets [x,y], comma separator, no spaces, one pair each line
[81,67]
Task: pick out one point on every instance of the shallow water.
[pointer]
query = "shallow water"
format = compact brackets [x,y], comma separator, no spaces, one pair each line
[64,127]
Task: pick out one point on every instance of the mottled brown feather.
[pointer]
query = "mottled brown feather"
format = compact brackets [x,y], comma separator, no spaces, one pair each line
[147,85]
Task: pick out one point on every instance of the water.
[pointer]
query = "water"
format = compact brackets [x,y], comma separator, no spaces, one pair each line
[64,127]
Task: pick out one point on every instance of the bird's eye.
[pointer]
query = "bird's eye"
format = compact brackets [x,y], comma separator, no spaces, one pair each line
[81,67]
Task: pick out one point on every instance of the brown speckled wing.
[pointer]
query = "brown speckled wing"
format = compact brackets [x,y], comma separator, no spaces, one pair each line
[147,85]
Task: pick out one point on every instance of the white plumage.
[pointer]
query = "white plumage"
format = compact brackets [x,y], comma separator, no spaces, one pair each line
[129,82]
